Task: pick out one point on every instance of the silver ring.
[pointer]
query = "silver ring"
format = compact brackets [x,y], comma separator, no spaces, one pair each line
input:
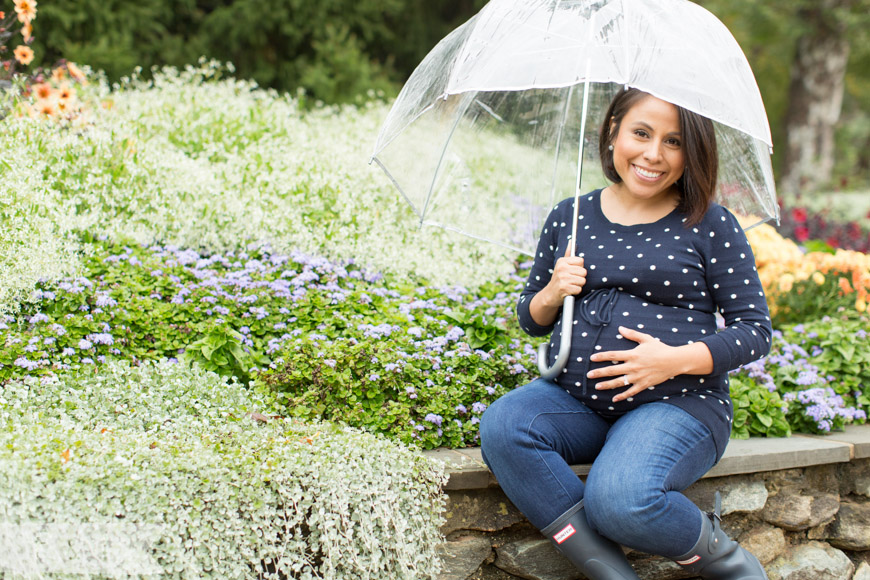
[625,380]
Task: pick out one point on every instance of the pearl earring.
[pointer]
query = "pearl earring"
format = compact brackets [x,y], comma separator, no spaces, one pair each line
[610,147]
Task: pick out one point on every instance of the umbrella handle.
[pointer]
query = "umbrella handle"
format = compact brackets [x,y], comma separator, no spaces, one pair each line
[564,345]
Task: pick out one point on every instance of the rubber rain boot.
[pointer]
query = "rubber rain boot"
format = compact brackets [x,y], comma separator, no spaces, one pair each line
[718,557]
[596,556]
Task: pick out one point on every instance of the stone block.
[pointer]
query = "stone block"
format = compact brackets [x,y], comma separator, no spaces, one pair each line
[487,510]
[863,572]
[811,561]
[759,454]
[739,494]
[851,528]
[764,542]
[461,557]
[817,478]
[857,437]
[800,512]
[464,470]
[855,478]
[535,559]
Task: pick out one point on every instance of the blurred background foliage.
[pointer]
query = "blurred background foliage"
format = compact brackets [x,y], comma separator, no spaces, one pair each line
[339,49]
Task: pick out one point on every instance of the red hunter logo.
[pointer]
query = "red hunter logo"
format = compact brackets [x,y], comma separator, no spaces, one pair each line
[566,533]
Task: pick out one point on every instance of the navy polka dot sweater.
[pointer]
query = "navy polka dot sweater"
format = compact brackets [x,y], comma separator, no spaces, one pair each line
[663,279]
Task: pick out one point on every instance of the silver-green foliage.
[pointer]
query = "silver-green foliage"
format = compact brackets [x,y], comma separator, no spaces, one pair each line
[230,494]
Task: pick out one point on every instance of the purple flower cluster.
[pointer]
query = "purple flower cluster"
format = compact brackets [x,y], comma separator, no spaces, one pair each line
[824,407]
[810,400]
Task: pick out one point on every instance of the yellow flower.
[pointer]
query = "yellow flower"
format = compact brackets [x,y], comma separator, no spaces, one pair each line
[23,54]
[818,278]
[26,10]
[861,305]
[785,282]
[58,74]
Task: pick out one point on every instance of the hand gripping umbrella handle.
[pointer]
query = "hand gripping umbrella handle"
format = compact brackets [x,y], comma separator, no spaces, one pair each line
[564,345]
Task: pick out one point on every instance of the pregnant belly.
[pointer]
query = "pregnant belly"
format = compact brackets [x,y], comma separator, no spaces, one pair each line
[598,316]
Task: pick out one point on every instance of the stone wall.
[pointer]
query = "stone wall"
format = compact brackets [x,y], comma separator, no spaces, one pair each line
[805,522]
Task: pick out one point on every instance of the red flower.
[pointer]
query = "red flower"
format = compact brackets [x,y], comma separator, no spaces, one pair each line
[799,215]
[833,242]
[801,233]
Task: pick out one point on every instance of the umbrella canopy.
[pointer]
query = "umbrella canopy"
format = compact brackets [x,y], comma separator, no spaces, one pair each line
[490,130]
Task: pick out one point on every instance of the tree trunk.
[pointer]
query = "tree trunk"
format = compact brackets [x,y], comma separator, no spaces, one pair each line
[815,97]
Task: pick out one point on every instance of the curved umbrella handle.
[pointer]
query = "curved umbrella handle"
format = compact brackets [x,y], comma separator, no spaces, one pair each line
[564,345]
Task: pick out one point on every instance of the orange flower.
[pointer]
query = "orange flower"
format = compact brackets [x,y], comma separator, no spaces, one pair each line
[24,54]
[65,92]
[43,91]
[845,287]
[2,15]
[46,107]
[26,31]
[58,74]
[26,10]
[75,72]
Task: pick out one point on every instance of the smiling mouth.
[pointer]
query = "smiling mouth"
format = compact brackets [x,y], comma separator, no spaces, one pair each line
[647,174]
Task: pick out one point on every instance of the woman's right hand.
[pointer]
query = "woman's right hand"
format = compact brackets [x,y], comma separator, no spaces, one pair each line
[568,279]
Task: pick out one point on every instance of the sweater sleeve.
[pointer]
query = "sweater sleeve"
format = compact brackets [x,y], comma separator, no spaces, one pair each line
[542,271]
[732,280]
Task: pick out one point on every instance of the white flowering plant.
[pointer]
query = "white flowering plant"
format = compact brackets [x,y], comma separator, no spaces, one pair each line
[194,159]
[220,487]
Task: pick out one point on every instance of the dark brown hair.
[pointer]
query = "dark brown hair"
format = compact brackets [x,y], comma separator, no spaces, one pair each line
[697,186]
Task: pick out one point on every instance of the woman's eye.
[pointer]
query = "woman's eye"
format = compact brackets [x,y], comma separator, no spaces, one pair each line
[673,142]
[640,133]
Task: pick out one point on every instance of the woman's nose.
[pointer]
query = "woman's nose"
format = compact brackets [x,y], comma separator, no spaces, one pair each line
[653,151]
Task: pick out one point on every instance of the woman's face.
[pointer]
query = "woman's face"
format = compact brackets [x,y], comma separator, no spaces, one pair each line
[647,151]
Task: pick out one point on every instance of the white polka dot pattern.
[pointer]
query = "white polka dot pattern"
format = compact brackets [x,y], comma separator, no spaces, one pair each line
[665,280]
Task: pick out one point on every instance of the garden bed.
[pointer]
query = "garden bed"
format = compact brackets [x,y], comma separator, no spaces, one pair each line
[213,311]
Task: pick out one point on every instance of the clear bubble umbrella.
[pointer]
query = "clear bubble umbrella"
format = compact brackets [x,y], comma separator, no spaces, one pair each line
[499,122]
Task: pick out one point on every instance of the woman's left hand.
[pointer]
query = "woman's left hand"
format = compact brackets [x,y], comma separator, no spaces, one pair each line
[650,363]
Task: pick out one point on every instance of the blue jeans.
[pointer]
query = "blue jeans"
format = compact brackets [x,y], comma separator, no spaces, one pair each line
[640,463]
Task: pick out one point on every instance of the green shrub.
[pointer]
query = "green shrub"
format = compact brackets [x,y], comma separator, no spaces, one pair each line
[837,346]
[758,412]
[813,377]
[229,312]
[413,384]
[191,460]
[325,47]
[812,299]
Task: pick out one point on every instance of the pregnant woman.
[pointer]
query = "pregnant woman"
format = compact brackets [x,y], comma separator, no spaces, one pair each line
[644,397]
